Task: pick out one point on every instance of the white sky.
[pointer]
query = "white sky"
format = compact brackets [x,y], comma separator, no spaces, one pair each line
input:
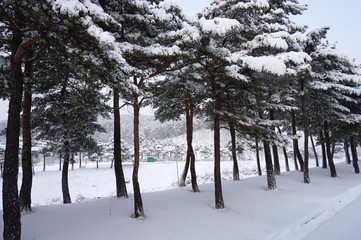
[343,17]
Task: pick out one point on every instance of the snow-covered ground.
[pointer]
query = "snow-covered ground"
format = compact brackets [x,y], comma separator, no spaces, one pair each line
[328,207]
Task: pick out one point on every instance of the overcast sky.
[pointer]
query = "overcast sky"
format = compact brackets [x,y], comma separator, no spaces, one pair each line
[344,18]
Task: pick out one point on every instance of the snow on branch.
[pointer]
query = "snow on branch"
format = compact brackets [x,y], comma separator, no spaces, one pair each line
[218,26]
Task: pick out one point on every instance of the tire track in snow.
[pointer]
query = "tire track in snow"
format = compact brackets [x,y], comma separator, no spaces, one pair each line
[304,227]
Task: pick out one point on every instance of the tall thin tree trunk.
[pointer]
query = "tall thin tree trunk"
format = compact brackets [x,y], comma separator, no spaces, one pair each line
[11,209]
[323,148]
[314,150]
[190,152]
[64,175]
[138,203]
[27,180]
[219,202]
[44,162]
[306,133]
[121,187]
[60,157]
[328,150]
[284,153]
[347,152]
[276,159]
[234,151]
[259,169]
[80,159]
[296,151]
[354,155]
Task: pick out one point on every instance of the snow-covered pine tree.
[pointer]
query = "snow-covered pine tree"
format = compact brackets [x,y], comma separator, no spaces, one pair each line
[150,49]
[265,49]
[335,86]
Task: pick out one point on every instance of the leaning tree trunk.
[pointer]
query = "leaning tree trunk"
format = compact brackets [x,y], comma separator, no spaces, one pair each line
[354,155]
[11,210]
[259,169]
[27,180]
[182,181]
[347,152]
[314,150]
[138,203]
[64,174]
[328,150]
[190,152]
[234,151]
[219,202]
[121,187]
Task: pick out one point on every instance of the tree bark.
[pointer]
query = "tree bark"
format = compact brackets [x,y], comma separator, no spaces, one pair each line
[138,203]
[323,148]
[11,209]
[354,155]
[306,133]
[271,179]
[328,150]
[64,174]
[44,162]
[219,202]
[26,159]
[121,186]
[314,150]
[234,151]
[80,160]
[182,181]
[347,152]
[258,159]
[276,159]
[296,151]
[190,152]
[285,154]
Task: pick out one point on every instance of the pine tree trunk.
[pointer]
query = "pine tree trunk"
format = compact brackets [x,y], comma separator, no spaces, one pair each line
[306,133]
[121,187]
[323,147]
[276,160]
[80,160]
[347,152]
[219,202]
[27,180]
[296,151]
[259,169]
[11,209]
[314,150]
[190,152]
[182,181]
[328,150]
[64,175]
[285,154]
[271,179]
[354,155]
[138,203]
[234,151]
[44,162]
